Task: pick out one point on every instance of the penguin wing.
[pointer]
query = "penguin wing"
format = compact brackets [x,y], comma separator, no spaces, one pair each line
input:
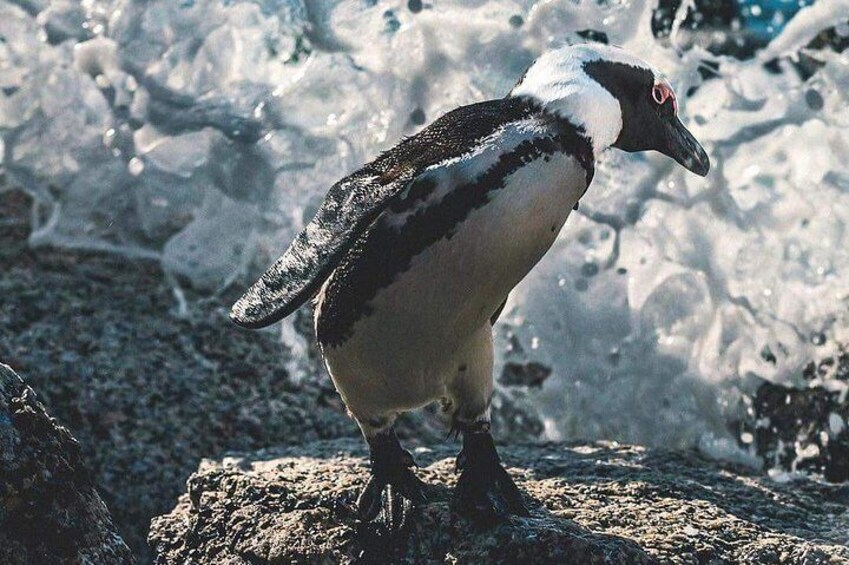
[350,207]
[353,204]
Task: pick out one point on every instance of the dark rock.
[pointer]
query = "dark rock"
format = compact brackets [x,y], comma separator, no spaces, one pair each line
[591,503]
[148,393]
[530,374]
[804,429]
[49,509]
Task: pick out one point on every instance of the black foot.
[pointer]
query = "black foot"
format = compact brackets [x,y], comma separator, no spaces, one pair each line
[485,492]
[390,476]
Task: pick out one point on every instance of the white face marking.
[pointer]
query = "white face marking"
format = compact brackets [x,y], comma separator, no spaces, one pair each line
[557,80]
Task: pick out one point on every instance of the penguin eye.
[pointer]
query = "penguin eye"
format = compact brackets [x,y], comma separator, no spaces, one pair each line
[661,92]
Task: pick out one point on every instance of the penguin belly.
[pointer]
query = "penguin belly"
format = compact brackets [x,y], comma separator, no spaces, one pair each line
[426,335]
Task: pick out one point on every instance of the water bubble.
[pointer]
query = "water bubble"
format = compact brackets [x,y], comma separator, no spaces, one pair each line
[767,355]
[109,137]
[814,99]
[392,23]
[135,166]
[417,117]
[589,269]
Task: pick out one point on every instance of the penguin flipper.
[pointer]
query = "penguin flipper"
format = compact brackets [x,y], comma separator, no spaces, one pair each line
[350,206]
[355,202]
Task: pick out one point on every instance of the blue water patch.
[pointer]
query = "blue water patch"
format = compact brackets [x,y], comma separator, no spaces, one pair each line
[766,18]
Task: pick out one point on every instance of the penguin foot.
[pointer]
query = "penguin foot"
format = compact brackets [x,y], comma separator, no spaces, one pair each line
[485,493]
[393,489]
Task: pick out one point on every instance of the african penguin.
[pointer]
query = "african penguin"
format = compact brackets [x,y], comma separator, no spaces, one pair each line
[411,258]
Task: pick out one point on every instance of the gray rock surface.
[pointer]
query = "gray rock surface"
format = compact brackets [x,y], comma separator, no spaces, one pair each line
[147,392]
[50,512]
[591,503]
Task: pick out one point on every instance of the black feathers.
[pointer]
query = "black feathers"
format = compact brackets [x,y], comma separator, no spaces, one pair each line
[384,251]
[631,86]
[353,203]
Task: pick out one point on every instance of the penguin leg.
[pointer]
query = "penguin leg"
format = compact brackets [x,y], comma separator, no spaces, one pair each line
[485,493]
[392,488]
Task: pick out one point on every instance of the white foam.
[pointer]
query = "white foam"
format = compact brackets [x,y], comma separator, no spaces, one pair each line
[242,120]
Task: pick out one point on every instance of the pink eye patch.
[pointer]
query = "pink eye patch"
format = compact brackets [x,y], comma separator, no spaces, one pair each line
[661,92]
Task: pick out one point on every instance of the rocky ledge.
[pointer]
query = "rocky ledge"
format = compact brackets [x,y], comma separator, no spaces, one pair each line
[49,509]
[591,503]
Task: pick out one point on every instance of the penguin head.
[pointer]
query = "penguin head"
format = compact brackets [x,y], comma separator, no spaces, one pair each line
[619,100]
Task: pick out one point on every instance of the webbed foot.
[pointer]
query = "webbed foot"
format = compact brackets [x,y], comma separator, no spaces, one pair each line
[393,488]
[485,492]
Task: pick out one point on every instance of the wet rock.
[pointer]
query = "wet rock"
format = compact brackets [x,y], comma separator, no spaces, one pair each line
[806,429]
[147,392]
[49,509]
[590,503]
[530,374]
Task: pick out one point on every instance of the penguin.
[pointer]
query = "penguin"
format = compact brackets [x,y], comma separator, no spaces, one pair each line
[411,258]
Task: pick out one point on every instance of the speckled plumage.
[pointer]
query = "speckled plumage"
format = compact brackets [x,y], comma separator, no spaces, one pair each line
[411,224]
[353,203]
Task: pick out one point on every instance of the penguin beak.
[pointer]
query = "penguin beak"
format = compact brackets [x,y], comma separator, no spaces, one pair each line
[677,142]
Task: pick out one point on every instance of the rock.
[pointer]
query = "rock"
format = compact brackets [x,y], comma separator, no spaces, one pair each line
[147,392]
[590,503]
[805,429]
[49,509]
[530,374]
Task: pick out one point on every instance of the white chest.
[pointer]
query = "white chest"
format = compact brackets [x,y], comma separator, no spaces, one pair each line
[454,286]
[457,283]
[432,315]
